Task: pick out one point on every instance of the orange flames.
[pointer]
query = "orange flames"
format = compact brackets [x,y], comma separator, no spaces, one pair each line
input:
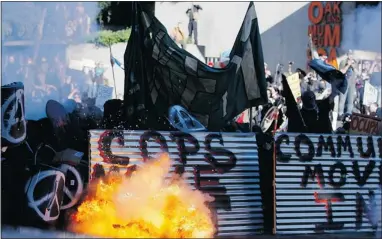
[145,205]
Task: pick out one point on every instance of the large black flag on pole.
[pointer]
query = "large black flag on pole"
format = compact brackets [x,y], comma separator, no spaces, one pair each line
[159,74]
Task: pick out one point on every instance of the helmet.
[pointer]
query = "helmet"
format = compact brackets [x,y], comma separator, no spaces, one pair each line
[180,119]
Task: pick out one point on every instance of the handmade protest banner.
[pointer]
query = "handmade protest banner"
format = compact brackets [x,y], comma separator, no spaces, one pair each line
[326,183]
[223,165]
[294,84]
[363,124]
[104,94]
[370,94]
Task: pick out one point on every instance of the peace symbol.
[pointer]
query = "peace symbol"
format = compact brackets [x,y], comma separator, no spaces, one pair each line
[76,195]
[51,197]
[13,103]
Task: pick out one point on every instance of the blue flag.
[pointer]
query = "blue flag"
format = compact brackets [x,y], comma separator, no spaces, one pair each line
[330,74]
[115,61]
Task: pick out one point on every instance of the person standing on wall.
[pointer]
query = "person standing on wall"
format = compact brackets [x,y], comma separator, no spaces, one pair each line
[348,66]
[193,15]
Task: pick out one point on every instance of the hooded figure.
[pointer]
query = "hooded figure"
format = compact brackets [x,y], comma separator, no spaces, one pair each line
[309,110]
[313,116]
[113,114]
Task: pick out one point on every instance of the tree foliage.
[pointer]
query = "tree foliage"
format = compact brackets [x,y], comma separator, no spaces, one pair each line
[107,37]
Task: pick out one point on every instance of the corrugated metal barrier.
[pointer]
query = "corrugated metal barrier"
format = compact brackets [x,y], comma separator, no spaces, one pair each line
[233,179]
[324,183]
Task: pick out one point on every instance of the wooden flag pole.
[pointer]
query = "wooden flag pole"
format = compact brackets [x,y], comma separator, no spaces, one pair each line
[112,69]
[250,119]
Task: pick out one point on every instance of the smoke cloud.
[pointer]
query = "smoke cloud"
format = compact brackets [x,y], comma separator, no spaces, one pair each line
[35,37]
[362,29]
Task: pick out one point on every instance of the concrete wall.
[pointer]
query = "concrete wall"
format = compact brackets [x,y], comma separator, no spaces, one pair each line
[283,27]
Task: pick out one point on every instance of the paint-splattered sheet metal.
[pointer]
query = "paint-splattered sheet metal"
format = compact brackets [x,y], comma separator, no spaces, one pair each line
[233,179]
[325,183]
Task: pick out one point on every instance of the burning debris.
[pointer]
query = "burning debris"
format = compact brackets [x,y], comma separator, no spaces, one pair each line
[145,205]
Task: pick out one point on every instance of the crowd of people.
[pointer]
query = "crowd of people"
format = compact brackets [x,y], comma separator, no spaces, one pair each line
[343,104]
[50,78]
[57,21]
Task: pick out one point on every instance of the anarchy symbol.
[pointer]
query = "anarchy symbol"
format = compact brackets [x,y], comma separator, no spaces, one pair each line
[75,196]
[51,198]
[13,102]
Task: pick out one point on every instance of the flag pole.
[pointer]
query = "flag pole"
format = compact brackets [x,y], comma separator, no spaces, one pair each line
[112,69]
[250,119]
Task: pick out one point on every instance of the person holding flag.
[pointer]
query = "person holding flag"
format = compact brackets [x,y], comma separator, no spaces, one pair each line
[330,74]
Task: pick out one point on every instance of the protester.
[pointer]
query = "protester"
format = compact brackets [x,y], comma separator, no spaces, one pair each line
[82,20]
[178,36]
[323,91]
[42,89]
[268,75]
[349,67]
[75,95]
[193,15]
[290,71]
[113,114]
[309,83]
[373,110]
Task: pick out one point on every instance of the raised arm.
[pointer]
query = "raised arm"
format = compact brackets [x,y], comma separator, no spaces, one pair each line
[313,48]
[344,66]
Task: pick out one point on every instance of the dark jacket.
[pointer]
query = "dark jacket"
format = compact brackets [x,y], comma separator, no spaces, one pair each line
[306,121]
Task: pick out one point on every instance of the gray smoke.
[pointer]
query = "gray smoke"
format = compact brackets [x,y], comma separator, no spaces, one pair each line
[362,29]
[62,24]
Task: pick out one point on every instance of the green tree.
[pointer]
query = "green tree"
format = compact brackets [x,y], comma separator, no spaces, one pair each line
[107,37]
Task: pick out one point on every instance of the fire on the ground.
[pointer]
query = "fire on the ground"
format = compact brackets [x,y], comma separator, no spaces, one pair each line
[145,205]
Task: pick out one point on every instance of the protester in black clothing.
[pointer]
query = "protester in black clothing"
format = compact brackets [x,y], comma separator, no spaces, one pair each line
[113,114]
[314,115]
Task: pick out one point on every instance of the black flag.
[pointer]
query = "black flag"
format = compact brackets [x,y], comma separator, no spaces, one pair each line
[159,74]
